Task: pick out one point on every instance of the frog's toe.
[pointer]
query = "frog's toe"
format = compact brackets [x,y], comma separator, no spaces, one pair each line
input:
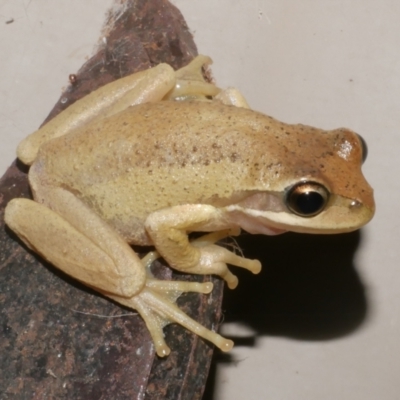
[156,304]
[214,260]
[168,287]
[213,237]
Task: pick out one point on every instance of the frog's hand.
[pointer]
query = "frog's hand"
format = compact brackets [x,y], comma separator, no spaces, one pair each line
[191,85]
[168,229]
[190,82]
[142,87]
[77,241]
[232,97]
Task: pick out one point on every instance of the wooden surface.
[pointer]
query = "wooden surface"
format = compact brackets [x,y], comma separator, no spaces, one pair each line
[61,340]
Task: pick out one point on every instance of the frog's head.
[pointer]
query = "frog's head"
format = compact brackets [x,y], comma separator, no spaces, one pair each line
[319,189]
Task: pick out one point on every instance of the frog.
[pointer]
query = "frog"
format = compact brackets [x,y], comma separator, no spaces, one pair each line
[151,158]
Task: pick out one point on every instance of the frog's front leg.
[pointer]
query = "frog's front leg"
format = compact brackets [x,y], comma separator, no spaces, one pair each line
[169,229]
[74,239]
[232,97]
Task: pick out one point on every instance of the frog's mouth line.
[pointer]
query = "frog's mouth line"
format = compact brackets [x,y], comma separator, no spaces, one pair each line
[274,223]
[252,221]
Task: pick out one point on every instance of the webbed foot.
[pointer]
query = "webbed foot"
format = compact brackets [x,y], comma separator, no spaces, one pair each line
[156,304]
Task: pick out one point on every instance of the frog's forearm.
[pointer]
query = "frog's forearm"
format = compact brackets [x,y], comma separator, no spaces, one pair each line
[168,229]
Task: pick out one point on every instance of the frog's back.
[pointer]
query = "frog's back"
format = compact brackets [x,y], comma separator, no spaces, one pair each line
[166,134]
[165,142]
[153,156]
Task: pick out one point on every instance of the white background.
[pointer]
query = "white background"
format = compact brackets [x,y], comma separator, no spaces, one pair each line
[326,63]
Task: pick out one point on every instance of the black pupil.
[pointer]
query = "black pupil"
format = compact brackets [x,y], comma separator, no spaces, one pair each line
[309,202]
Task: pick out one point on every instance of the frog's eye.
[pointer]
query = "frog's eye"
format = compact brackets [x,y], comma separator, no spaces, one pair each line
[364,148]
[307,199]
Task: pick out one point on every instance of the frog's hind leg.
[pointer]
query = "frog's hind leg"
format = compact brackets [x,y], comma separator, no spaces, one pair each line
[77,241]
[142,87]
[156,302]
[156,305]
[86,249]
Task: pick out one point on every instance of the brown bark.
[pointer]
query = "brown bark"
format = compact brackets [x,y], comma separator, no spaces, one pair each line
[49,350]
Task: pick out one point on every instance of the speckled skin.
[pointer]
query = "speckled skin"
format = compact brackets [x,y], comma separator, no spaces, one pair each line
[158,155]
[104,174]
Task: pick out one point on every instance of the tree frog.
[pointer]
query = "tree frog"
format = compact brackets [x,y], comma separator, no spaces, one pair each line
[152,157]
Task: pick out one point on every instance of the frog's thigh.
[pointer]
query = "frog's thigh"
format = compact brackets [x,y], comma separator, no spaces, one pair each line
[89,251]
[83,256]
[168,229]
[152,86]
[142,87]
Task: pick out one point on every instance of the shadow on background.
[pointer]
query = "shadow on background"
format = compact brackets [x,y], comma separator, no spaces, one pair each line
[308,289]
